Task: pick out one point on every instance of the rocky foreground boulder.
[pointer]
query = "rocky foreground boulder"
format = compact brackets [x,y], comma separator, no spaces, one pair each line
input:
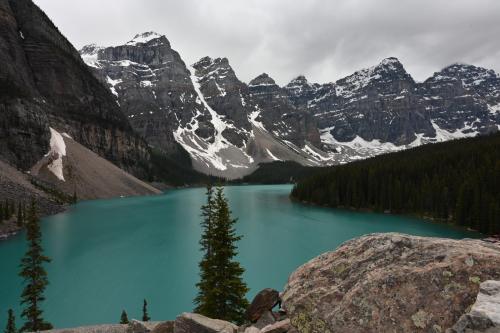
[391,283]
[484,315]
[264,301]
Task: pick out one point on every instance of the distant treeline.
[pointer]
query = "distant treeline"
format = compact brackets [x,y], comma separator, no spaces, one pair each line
[279,173]
[457,181]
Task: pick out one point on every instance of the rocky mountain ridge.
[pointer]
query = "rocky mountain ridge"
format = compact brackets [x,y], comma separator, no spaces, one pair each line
[229,127]
[45,83]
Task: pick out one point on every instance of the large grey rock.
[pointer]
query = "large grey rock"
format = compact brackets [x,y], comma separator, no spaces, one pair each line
[484,316]
[196,323]
[390,283]
[263,302]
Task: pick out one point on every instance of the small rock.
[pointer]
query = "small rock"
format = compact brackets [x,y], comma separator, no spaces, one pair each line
[279,327]
[196,323]
[265,300]
[136,326]
[252,329]
[266,319]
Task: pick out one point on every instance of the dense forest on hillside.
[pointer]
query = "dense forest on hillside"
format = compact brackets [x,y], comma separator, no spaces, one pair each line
[458,181]
[279,173]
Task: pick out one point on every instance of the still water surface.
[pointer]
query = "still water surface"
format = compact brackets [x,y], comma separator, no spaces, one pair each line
[109,255]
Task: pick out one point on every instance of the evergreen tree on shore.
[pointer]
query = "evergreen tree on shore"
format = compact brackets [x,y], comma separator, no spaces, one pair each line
[20,216]
[221,290]
[145,315]
[456,181]
[124,318]
[34,276]
[11,323]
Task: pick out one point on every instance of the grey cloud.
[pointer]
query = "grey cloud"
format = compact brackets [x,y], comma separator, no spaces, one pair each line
[322,39]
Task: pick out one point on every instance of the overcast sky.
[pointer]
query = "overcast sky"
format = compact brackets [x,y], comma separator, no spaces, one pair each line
[322,39]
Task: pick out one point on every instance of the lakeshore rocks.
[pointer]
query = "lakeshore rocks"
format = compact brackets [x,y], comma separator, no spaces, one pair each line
[390,283]
[110,328]
[484,315]
[264,302]
[164,327]
[266,319]
[196,323]
[278,327]
[136,326]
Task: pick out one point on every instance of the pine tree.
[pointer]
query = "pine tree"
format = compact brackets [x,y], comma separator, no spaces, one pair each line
[145,316]
[124,318]
[20,217]
[1,212]
[221,288]
[34,276]
[11,323]
[206,287]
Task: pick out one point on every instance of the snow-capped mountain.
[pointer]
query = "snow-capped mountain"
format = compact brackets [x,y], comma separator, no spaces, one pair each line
[229,127]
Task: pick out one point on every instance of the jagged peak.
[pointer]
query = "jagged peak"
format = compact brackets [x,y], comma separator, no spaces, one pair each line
[470,75]
[208,61]
[147,37]
[390,61]
[299,80]
[90,49]
[262,80]
[461,68]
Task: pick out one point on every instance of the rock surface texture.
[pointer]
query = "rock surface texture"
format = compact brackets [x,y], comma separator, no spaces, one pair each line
[195,323]
[390,283]
[263,302]
[87,175]
[484,316]
[227,126]
[44,83]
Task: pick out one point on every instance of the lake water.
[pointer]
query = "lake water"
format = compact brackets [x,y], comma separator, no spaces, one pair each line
[109,255]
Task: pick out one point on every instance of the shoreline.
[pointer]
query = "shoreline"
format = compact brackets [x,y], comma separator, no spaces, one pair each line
[424,218]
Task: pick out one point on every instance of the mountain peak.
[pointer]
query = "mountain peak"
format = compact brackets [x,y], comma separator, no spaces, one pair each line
[262,80]
[391,64]
[147,37]
[470,75]
[299,80]
[90,49]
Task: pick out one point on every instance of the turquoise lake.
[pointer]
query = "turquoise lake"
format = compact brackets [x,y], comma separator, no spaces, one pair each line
[109,255]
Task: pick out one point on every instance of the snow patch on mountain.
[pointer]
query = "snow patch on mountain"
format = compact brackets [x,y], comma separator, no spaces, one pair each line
[274,158]
[112,84]
[56,153]
[144,38]
[443,135]
[217,153]
[494,109]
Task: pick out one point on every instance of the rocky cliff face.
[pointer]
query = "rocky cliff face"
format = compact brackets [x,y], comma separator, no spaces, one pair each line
[45,83]
[381,109]
[227,126]
[390,283]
